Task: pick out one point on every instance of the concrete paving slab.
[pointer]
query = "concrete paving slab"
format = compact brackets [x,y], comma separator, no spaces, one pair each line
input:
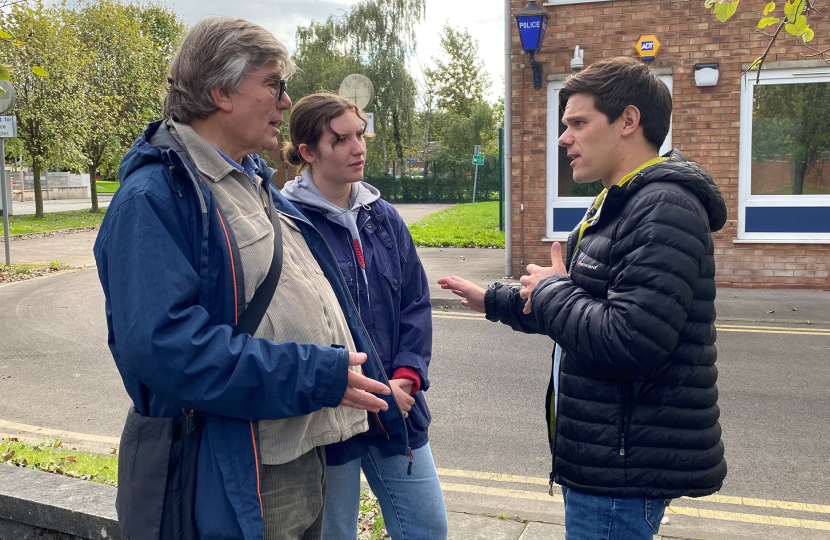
[481,266]
[543,531]
[74,249]
[477,527]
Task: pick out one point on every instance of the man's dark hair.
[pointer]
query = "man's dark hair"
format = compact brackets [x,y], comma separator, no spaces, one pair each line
[619,82]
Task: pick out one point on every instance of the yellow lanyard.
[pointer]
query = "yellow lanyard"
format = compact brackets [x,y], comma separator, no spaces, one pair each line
[601,197]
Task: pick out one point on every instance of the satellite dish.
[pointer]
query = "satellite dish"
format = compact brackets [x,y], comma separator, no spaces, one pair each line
[6,97]
[358,89]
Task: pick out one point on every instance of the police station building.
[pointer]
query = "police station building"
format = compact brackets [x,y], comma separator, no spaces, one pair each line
[765,142]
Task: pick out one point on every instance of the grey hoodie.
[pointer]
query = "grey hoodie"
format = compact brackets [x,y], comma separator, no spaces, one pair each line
[302,190]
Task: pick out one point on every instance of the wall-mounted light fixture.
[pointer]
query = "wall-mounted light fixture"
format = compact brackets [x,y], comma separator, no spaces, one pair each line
[707,74]
[532,21]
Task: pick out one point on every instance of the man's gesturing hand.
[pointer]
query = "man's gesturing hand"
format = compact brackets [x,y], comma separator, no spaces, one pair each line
[358,388]
[538,273]
[472,294]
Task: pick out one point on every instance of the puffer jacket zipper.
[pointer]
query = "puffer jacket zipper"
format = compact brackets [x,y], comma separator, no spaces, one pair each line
[624,397]
[553,476]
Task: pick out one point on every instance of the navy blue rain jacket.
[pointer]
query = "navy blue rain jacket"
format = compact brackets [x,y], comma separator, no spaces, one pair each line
[395,308]
[171,274]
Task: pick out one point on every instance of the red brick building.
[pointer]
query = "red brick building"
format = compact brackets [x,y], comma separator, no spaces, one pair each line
[758,141]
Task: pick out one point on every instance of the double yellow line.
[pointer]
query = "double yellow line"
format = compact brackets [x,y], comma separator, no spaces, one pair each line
[802,331]
[741,517]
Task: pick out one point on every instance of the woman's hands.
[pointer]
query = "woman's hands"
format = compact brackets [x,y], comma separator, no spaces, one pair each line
[401,389]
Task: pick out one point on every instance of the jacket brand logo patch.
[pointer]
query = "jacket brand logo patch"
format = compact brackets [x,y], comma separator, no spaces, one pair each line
[586,265]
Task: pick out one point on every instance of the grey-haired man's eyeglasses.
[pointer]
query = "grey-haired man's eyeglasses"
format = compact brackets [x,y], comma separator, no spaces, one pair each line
[281,83]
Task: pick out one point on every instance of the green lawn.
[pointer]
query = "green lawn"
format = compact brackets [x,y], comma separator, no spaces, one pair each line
[106,187]
[463,225]
[53,221]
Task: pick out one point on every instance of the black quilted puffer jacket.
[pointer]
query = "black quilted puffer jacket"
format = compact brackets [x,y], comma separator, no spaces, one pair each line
[637,410]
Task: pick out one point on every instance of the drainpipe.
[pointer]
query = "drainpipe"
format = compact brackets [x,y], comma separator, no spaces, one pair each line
[508,143]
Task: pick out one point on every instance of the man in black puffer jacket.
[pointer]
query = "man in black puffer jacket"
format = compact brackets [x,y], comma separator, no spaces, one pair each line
[632,405]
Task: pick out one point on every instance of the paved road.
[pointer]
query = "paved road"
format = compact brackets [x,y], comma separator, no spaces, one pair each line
[56,371]
[28,207]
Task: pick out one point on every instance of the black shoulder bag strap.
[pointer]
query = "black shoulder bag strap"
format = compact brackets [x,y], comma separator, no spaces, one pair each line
[253,314]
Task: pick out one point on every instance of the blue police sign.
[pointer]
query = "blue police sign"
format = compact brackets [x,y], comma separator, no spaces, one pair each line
[532,21]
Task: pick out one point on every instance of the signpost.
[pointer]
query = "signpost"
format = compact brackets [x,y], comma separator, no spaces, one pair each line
[478,159]
[8,130]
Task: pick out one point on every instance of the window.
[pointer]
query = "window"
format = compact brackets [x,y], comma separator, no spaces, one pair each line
[784,190]
[567,201]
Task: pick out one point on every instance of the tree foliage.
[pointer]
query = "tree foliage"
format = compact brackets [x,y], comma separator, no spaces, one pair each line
[9,40]
[107,62]
[48,112]
[793,17]
[459,73]
[375,38]
[126,52]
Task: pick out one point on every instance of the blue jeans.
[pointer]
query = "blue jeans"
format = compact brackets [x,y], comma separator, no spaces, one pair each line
[598,517]
[412,506]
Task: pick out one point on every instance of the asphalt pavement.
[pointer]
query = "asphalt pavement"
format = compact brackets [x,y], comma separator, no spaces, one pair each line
[28,207]
[57,378]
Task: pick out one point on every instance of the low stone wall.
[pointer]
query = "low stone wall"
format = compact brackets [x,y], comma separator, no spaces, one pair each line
[35,505]
[54,194]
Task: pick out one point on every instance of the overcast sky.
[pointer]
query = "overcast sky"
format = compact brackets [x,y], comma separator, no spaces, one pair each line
[484,19]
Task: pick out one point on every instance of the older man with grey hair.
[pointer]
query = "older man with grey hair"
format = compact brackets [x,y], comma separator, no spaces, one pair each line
[237,384]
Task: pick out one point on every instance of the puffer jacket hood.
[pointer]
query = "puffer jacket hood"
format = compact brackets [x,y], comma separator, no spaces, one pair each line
[687,174]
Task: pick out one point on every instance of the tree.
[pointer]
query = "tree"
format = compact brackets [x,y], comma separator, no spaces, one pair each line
[163,29]
[795,21]
[48,111]
[122,79]
[462,80]
[322,61]
[381,33]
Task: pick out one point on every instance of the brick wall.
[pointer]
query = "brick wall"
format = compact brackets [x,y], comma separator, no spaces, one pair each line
[706,125]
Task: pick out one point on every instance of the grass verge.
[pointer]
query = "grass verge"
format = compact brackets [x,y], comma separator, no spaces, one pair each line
[22,272]
[52,457]
[106,187]
[370,524]
[463,225]
[53,221]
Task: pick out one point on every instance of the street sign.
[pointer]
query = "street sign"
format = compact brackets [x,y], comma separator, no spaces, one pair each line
[478,160]
[8,127]
[648,47]
[410,160]
[370,127]
[477,150]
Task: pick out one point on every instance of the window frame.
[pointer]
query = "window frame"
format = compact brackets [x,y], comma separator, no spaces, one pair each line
[771,76]
[552,199]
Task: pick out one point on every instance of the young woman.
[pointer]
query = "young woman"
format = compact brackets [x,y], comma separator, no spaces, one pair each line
[384,275]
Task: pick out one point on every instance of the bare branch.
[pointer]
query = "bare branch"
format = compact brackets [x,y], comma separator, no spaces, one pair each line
[766,52]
